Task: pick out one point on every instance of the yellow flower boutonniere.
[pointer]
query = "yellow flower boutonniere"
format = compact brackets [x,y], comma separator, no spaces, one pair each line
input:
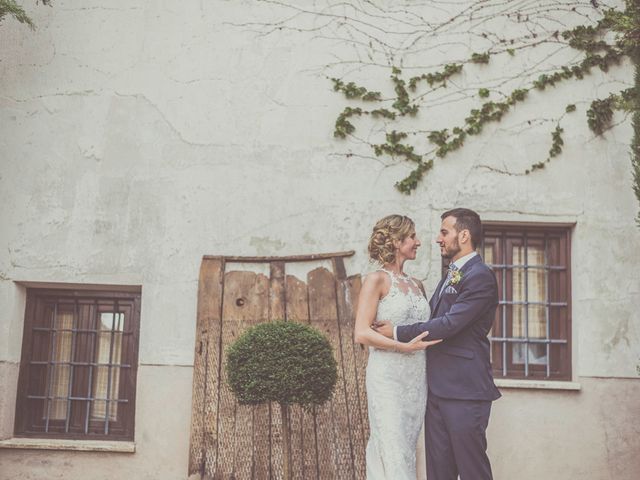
[456,276]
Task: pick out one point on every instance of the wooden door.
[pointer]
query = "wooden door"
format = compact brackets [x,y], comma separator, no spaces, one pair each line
[234,441]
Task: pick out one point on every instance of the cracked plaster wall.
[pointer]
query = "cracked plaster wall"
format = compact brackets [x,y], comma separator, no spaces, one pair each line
[139,136]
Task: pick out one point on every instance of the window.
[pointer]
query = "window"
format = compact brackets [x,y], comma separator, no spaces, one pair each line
[531,334]
[79,363]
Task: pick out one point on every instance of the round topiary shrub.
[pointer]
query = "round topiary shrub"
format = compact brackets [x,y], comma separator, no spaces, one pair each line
[284,362]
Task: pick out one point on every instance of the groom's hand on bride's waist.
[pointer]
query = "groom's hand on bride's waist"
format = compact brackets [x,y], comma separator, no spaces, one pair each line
[384,328]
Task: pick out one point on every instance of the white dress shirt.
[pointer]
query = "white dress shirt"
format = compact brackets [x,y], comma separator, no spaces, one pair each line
[459,263]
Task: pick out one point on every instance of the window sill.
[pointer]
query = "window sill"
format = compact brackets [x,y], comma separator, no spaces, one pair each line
[537,384]
[77,445]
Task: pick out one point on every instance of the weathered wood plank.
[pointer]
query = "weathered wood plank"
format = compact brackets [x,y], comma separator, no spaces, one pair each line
[243,459]
[322,297]
[287,258]
[361,354]
[346,314]
[303,441]
[245,303]
[227,416]
[297,445]
[311,460]
[297,304]
[204,410]
[339,270]
[262,441]
[277,465]
[334,446]
[277,311]
[277,294]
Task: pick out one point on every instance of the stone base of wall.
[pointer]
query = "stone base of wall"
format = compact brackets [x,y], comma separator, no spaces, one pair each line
[163,415]
[588,434]
[591,434]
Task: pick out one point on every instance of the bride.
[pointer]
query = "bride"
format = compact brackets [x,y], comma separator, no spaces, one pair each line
[395,376]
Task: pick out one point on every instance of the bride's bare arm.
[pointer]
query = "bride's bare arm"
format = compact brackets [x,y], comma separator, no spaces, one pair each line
[373,288]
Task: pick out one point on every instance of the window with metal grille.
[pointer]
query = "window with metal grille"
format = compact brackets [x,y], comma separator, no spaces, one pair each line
[79,363]
[531,334]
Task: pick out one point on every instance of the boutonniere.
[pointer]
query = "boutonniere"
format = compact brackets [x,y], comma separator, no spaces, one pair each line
[456,276]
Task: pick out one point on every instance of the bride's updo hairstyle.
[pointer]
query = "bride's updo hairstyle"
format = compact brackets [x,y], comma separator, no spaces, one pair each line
[385,231]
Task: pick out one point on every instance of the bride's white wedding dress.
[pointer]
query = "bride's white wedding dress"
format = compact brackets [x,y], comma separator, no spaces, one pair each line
[396,389]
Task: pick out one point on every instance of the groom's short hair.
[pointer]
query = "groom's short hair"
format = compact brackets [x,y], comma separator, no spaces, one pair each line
[466,219]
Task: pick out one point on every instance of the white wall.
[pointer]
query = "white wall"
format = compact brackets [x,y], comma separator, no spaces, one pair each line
[138,136]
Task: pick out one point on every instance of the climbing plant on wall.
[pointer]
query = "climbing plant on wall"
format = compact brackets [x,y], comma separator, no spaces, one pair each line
[488,58]
[629,25]
[605,43]
[12,9]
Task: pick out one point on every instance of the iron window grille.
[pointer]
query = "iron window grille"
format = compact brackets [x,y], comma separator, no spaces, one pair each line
[531,334]
[79,363]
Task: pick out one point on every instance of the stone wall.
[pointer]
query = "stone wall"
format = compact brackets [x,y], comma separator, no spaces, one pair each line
[139,136]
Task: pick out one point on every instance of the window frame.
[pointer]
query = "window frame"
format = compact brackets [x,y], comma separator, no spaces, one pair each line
[560,330]
[96,299]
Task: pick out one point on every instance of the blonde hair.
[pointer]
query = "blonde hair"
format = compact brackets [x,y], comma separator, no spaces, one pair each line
[385,231]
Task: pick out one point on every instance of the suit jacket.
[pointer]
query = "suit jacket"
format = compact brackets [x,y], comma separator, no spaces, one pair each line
[460,366]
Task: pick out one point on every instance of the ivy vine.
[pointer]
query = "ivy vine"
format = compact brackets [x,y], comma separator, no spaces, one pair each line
[12,9]
[614,37]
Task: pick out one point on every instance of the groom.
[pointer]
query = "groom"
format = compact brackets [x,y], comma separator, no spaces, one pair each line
[459,378]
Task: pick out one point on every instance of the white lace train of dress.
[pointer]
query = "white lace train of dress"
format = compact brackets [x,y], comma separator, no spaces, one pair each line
[396,389]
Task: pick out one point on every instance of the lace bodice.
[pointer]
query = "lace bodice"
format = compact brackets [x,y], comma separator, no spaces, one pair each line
[396,388]
[405,303]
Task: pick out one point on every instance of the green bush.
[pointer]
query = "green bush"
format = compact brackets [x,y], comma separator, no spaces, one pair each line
[283,362]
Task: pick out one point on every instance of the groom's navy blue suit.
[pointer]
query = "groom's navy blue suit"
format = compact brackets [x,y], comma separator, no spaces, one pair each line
[459,377]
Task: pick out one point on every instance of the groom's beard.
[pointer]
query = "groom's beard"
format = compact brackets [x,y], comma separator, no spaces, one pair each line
[451,250]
